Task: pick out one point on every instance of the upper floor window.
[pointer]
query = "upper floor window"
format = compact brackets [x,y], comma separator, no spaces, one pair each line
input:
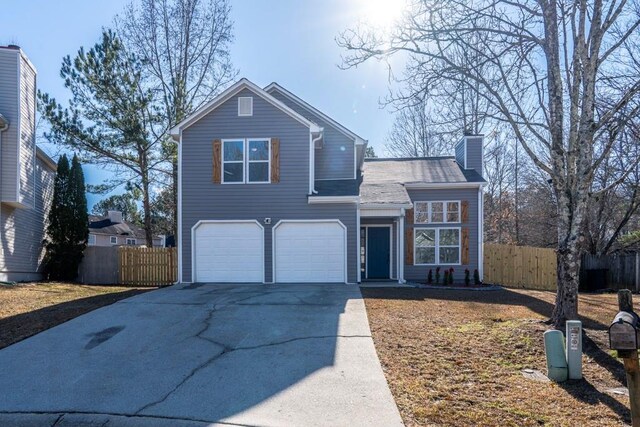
[131,242]
[113,240]
[246,160]
[92,240]
[438,212]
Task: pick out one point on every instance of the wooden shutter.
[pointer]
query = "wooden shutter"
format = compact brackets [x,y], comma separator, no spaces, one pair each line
[464,211]
[217,161]
[408,237]
[275,160]
[408,216]
[408,244]
[465,246]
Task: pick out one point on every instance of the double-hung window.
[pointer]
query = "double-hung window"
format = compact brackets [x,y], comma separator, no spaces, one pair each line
[437,212]
[436,246]
[131,242]
[246,161]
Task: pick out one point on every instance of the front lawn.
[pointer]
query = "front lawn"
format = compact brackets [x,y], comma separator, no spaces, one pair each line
[456,358]
[27,309]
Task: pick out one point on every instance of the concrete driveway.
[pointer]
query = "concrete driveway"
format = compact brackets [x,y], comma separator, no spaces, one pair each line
[251,355]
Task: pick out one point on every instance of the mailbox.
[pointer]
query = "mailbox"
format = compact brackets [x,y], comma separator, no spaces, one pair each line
[623,332]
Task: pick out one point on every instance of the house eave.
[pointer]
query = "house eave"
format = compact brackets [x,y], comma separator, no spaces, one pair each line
[442,185]
[313,200]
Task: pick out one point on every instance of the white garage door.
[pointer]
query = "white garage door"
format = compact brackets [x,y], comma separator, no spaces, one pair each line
[309,252]
[229,252]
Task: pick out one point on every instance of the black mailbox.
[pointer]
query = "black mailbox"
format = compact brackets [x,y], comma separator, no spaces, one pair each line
[623,332]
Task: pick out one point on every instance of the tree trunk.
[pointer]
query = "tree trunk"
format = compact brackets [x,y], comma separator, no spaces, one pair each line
[146,206]
[566,307]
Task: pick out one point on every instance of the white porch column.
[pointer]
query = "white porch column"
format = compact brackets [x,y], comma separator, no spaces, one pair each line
[358,262]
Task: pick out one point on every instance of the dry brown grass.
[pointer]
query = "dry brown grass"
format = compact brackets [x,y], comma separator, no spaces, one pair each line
[455,358]
[27,309]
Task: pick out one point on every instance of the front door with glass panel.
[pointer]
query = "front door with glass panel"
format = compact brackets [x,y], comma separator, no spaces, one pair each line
[378,252]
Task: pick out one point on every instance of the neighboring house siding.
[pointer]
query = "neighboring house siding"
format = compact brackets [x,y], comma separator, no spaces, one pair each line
[335,160]
[203,200]
[394,240]
[419,273]
[22,231]
[27,133]
[105,240]
[9,108]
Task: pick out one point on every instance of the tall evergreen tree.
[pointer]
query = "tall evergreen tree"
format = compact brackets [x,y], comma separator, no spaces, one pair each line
[67,230]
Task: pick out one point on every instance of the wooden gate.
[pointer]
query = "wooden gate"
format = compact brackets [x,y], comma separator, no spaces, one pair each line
[147,266]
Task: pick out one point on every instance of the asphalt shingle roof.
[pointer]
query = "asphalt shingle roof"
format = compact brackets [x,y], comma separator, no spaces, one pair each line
[102,224]
[384,179]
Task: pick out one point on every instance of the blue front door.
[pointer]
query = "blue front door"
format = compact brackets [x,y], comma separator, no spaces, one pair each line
[378,252]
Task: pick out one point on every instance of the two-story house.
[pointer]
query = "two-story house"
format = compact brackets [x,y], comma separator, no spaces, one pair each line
[271,190]
[112,230]
[26,172]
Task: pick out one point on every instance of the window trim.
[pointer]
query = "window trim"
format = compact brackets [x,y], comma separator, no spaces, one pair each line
[89,240]
[245,160]
[126,242]
[445,211]
[112,238]
[437,245]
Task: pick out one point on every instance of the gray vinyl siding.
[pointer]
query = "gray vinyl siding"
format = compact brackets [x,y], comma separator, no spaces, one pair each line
[474,153]
[419,273]
[9,108]
[394,240]
[27,133]
[105,240]
[460,152]
[335,160]
[23,230]
[203,200]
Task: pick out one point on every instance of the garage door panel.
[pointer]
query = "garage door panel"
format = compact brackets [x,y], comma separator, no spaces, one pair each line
[229,252]
[309,252]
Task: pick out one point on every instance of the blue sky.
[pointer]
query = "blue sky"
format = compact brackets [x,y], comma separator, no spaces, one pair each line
[288,41]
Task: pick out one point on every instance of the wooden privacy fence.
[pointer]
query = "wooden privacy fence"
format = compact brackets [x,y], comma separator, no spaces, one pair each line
[520,266]
[621,271]
[147,266]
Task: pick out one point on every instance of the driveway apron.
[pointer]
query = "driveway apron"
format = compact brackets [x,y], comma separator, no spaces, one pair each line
[204,354]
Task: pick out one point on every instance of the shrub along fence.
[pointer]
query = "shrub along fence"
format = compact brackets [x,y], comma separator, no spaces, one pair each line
[129,265]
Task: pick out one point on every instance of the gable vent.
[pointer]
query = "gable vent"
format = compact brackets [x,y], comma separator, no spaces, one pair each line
[245,106]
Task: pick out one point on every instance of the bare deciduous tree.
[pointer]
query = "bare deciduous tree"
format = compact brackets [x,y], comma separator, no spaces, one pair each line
[544,65]
[184,45]
[414,134]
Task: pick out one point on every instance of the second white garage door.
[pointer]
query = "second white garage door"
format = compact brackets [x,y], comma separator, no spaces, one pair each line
[229,251]
[308,252]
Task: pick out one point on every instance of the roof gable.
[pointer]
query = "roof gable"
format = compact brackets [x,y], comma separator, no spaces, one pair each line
[239,86]
[349,134]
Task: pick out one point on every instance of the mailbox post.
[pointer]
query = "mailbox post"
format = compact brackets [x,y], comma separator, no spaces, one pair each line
[624,337]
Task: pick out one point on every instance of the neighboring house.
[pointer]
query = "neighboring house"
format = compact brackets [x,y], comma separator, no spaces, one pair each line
[26,172]
[112,230]
[271,190]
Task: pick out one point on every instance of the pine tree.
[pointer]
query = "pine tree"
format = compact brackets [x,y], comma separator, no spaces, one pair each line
[67,231]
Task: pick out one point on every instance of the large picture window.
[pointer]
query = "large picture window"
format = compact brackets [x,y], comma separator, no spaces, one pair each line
[436,246]
[246,161]
[437,212]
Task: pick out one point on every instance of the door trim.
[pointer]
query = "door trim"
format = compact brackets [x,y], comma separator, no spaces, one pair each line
[194,277]
[310,221]
[366,244]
